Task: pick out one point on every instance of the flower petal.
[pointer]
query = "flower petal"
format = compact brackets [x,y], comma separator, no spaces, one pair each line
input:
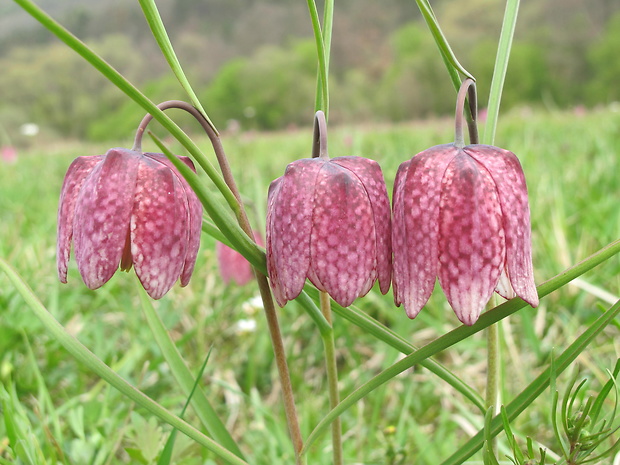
[195,216]
[471,238]
[343,243]
[289,222]
[102,213]
[370,175]
[416,211]
[79,169]
[507,173]
[159,224]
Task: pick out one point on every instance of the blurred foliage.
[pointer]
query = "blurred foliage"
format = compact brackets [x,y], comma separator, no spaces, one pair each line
[254,65]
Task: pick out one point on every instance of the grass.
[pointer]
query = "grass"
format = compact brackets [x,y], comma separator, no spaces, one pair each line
[56,412]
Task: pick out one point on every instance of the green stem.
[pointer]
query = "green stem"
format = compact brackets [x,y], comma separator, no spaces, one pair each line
[332,376]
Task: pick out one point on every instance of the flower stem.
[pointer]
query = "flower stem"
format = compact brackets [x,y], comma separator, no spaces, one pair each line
[332,376]
[467,91]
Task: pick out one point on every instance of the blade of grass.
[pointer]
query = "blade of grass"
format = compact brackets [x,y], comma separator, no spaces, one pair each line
[166,454]
[205,412]
[447,340]
[537,387]
[153,18]
[499,72]
[322,47]
[92,362]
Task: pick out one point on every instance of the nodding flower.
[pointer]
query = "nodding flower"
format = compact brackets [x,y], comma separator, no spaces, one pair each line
[127,208]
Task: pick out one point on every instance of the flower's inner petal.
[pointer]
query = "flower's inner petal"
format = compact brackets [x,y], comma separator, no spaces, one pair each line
[289,225]
[79,169]
[504,288]
[195,216]
[471,238]
[102,213]
[159,224]
[343,245]
[369,174]
[508,176]
[416,228]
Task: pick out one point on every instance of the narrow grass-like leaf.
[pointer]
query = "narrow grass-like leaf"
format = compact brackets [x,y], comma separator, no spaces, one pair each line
[602,395]
[166,454]
[153,18]
[537,387]
[499,72]
[131,91]
[453,65]
[205,412]
[488,456]
[447,340]
[93,363]
[381,332]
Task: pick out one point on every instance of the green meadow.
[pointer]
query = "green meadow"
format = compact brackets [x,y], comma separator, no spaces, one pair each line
[55,410]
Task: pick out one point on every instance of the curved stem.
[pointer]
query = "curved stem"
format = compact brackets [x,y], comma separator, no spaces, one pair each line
[467,91]
[319,140]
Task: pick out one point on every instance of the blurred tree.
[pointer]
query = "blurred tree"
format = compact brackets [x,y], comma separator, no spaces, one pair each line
[56,89]
[603,86]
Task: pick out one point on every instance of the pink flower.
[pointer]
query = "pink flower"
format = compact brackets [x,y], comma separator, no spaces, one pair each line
[461,214]
[328,220]
[233,266]
[8,153]
[129,208]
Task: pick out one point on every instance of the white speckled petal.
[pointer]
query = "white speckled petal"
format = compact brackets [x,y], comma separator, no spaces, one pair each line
[507,174]
[289,223]
[415,238]
[159,224]
[343,245]
[79,169]
[102,213]
[195,216]
[471,237]
[370,175]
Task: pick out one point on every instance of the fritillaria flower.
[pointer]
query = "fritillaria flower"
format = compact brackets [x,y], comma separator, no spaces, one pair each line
[329,220]
[129,208]
[461,214]
[234,266]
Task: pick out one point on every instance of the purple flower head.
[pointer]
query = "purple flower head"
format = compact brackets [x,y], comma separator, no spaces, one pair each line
[328,220]
[461,214]
[128,208]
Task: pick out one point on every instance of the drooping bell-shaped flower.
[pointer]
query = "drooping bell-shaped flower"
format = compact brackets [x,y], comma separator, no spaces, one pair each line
[328,220]
[461,214]
[129,208]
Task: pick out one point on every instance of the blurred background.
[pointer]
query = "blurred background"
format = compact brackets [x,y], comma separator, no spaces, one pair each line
[253,63]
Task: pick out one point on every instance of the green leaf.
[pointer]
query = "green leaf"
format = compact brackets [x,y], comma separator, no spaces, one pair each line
[149,8]
[447,340]
[205,412]
[536,387]
[92,362]
[499,72]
